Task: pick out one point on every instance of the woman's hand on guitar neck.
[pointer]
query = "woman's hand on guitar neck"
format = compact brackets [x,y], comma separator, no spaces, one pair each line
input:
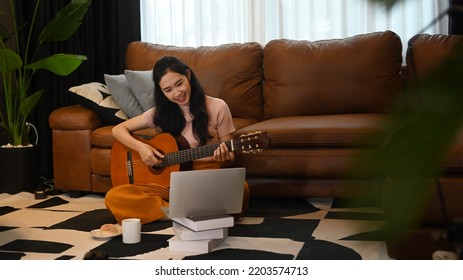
[223,154]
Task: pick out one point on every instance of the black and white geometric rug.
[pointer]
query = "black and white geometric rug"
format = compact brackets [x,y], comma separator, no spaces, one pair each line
[58,227]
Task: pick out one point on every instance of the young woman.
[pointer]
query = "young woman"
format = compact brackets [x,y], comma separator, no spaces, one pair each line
[183,110]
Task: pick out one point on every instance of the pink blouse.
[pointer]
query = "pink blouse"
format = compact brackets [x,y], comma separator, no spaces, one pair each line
[220,120]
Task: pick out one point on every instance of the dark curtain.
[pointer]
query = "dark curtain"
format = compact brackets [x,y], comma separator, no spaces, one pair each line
[456,17]
[103,37]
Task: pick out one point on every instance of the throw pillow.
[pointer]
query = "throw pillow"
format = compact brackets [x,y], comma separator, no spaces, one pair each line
[120,90]
[96,97]
[142,85]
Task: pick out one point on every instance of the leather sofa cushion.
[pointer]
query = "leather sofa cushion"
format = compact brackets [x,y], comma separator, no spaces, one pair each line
[426,52]
[100,159]
[293,162]
[240,123]
[232,72]
[102,137]
[345,130]
[359,74]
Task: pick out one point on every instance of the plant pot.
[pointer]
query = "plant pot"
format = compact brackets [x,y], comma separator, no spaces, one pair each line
[19,169]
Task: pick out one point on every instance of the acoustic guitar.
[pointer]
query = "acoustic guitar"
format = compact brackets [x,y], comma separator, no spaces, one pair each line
[128,168]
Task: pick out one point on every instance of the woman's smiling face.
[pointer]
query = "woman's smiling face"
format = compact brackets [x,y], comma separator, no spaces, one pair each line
[176,87]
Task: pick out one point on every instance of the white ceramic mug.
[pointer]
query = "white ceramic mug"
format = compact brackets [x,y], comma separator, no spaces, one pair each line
[131,231]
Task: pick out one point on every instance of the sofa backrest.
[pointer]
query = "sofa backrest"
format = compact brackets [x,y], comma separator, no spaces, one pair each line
[426,52]
[232,72]
[359,74]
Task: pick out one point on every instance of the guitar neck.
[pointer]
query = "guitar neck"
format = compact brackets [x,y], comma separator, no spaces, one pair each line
[192,154]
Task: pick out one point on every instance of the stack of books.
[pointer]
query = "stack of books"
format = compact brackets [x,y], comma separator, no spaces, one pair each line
[199,234]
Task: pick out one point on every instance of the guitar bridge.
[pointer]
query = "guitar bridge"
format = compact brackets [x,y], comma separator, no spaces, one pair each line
[129,165]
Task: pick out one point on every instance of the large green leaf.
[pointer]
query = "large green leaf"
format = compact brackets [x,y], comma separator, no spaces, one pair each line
[66,22]
[18,103]
[9,60]
[60,64]
[30,102]
[4,34]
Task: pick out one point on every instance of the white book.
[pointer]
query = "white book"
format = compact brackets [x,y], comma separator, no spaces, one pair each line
[206,222]
[196,246]
[186,234]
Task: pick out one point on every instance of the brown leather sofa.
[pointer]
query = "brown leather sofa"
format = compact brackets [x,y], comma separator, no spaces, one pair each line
[320,102]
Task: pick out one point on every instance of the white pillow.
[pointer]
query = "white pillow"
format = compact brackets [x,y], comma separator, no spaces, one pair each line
[96,97]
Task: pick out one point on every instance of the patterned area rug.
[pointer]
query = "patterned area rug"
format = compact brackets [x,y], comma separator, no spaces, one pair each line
[58,227]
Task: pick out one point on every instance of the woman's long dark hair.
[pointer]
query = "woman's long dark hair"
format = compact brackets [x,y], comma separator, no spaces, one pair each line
[168,116]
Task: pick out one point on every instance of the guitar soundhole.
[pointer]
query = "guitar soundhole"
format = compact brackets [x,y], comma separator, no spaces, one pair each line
[156,169]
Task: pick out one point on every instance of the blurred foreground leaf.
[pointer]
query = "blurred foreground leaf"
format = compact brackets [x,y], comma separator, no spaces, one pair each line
[408,155]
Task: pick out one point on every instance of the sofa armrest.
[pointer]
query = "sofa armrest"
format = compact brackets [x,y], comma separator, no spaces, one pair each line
[74,117]
[71,129]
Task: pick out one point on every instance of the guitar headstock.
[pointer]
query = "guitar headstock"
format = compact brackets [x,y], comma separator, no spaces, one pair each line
[251,142]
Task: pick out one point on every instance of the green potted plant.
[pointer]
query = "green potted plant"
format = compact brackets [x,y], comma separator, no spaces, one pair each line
[19,62]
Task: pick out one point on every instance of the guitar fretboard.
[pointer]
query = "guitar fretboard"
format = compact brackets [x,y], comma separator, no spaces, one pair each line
[192,154]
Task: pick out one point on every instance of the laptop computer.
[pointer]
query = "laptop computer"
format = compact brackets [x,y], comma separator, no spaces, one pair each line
[205,192]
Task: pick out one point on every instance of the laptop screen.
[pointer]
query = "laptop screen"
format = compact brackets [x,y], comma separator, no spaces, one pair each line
[206,192]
